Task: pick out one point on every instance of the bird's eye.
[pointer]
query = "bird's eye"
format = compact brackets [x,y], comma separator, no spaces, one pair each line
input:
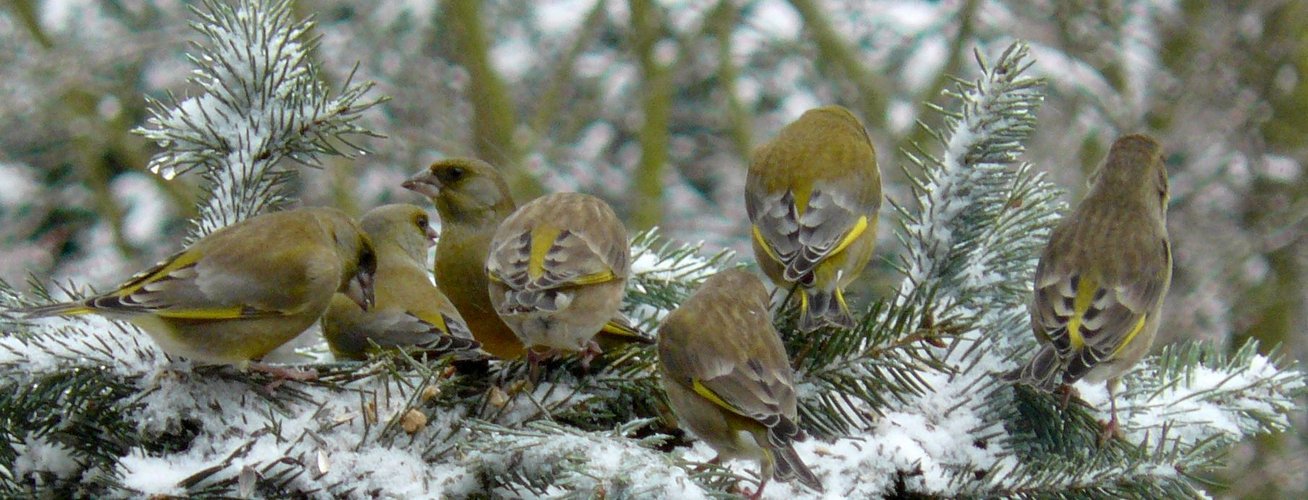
[451,174]
[422,222]
[368,260]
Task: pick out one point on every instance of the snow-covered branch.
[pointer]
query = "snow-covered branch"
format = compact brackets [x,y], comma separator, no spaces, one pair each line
[261,101]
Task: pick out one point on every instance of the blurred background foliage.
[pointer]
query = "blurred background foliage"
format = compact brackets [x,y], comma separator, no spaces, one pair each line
[655,106]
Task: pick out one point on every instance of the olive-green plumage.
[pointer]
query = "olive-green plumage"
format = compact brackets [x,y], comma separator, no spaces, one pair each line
[472,199]
[1101,280]
[243,290]
[728,378]
[558,270]
[812,195]
[409,310]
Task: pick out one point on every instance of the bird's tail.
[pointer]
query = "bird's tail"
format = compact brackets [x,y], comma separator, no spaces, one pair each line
[446,344]
[41,311]
[823,307]
[1041,372]
[789,467]
[620,330]
[455,339]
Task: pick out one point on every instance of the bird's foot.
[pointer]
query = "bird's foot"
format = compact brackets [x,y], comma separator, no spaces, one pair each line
[589,354]
[1067,392]
[1111,429]
[756,494]
[281,374]
[711,463]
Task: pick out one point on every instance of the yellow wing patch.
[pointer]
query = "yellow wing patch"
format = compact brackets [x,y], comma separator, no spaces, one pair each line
[1139,325]
[595,278]
[852,235]
[713,397]
[234,312]
[758,238]
[181,260]
[802,195]
[1085,294]
[614,328]
[74,311]
[439,323]
[432,318]
[542,239]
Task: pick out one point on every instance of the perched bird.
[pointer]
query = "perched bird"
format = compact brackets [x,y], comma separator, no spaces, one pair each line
[728,379]
[472,199]
[812,195]
[243,290]
[1100,283]
[558,271]
[409,309]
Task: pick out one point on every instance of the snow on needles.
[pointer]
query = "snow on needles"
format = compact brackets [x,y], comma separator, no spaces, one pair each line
[261,103]
[1229,398]
[664,272]
[37,455]
[338,436]
[52,344]
[601,463]
[367,430]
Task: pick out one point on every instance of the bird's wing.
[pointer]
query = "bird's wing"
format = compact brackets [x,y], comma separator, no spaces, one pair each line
[210,281]
[800,230]
[1094,314]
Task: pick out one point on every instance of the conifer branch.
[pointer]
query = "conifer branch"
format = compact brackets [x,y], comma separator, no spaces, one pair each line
[905,404]
[260,102]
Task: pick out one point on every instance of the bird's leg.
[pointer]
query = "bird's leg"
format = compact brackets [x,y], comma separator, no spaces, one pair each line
[1066,391]
[589,354]
[717,459]
[757,493]
[284,372]
[534,359]
[280,374]
[1111,429]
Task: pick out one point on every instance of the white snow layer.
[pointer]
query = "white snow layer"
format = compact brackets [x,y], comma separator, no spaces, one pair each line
[336,432]
[38,455]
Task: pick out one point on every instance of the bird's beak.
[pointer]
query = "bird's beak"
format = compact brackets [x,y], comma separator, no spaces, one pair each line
[432,234]
[360,290]
[423,183]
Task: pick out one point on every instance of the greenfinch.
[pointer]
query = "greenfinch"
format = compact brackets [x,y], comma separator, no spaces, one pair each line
[472,199]
[812,196]
[558,271]
[728,378]
[409,310]
[1101,279]
[243,290]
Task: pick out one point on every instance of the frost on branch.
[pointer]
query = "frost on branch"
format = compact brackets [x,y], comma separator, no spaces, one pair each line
[978,215]
[910,402]
[260,101]
[98,411]
[905,404]
[1184,408]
